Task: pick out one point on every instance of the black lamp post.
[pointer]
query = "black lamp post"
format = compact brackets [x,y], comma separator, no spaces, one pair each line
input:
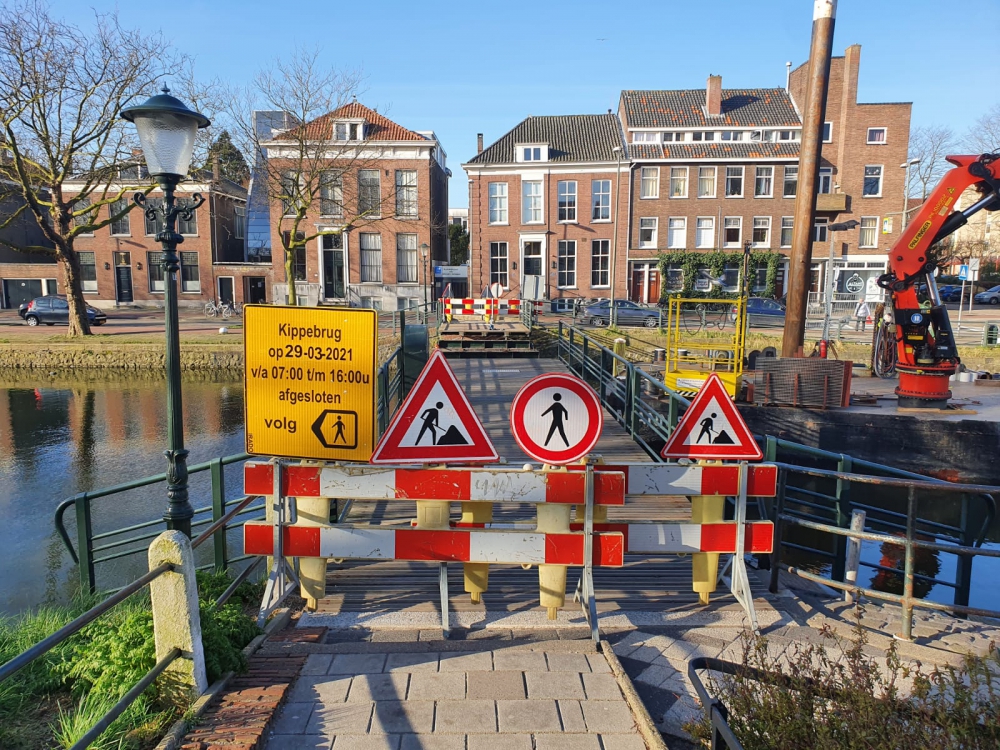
[167,131]
[424,247]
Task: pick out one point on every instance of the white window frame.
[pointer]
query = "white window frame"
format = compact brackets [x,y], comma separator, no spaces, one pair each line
[673,137]
[761,222]
[728,223]
[642,136]
[87,286]
[593,202]
[742,182]
[787,222]
[785,181]
[873,230]
[123,222]
[682,178]
[825,176]
[881,176]
[154,260]
[885,136]
[531,153]
[702,225]
[192,286]
[406,247]
[571,192]
[404,190]
[649,182]
[531,202]
[565,250]
[381,257]
[676,224]
[715,177]
[502,274]
[501,205]
[652,226]
[594,267]
[768,178]
[824,133]
[818,222]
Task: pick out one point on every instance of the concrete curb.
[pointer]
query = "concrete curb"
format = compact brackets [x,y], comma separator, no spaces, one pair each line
[647,727]
[179,728]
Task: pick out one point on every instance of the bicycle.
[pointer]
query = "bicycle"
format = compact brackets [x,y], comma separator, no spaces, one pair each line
[225,309]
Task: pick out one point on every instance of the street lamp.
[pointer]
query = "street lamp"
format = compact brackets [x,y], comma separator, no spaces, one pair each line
[613,313]
[424,247]
[167,131]
[828,307]
[906,187]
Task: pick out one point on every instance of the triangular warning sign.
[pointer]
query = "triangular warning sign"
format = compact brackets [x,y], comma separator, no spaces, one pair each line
[712,428]
[435,424]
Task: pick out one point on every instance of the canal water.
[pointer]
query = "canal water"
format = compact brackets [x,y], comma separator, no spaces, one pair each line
[62,435]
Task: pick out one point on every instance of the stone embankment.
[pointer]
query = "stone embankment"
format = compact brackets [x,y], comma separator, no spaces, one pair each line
[128,357]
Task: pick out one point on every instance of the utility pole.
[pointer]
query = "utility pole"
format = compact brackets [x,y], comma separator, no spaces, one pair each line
[824,13]
[612,312]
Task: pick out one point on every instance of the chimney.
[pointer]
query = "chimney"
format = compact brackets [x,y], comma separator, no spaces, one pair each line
[713,96]
[215,168]
[137,153]
[479,143]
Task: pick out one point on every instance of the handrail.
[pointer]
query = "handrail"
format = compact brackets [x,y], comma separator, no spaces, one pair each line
[203,536]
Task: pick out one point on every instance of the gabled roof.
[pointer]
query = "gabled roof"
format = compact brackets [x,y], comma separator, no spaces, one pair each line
[715,150]
[571,138]
[378,128]
[686,108]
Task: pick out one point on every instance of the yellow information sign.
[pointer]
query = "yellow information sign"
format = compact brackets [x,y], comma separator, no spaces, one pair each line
[309,374]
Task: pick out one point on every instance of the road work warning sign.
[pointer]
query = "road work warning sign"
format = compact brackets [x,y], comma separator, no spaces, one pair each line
[309,376]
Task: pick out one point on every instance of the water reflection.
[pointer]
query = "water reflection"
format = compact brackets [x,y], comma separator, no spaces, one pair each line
[63,435]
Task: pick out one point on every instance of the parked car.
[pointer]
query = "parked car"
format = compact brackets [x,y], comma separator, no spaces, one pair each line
[953,293]
[52,309]
[762,312]
[627,313]
[989,297]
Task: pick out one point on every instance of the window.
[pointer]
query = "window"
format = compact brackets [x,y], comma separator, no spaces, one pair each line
[645,137]
[371,303]
[369,192]
[566,264]
[708,135]
[600,263]
[649,186]
[406,193]
[188,227]
[88,271]
[673,137]
[791,182]
[154,269]
[299,253]
[734,182]
[498,263]
[191,277]
[406,258]
[869,232]
[289,193]
[240,222]
[355,129]
[133,172]
[647,232]
[155,225]
[531,202]
[873,182]
[876,135]
[531,259]
[819,230]
[761,231]
[340,131]
[677,233]
[704,232]
[789,135]
[601,200]
[371,257]
[120,227]
[567,200]
[533,153]
[732,135]
[673,277]
[331,194]
[825,180]
[706,182]
[678,182]
[498,203]
[732,228]
[762,184]
[81,221]
[760,281]
[827,132]
[786,231]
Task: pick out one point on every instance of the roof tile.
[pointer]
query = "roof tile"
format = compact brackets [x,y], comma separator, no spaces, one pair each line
[571,138]
[685,108]
[378,128]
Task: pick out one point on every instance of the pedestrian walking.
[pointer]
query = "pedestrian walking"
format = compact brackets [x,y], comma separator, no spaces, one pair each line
[861,313]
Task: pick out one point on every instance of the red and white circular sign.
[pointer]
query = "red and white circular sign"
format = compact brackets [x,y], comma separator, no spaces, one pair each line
[556,418]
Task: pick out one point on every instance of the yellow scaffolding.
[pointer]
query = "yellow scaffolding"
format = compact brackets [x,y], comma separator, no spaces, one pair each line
[698,343]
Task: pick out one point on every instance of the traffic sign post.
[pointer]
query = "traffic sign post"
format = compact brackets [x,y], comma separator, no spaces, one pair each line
[309,376]
[556,418]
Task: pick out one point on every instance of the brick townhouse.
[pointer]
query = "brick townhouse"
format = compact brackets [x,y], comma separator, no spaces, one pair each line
[712,168]
[542,203]
[385,203]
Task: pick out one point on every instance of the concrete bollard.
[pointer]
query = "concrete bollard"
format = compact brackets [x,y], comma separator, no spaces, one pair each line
[853,554]
[176,620]
[477,575]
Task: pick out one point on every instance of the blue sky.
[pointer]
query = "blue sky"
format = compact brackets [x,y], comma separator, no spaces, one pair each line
[461,68]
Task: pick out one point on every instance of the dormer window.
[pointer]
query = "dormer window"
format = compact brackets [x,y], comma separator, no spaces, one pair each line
[526,152]
[348,131]
[642,137]
[133,172]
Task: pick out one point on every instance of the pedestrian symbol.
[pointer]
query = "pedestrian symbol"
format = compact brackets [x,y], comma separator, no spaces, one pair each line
[559,413]
[336,429]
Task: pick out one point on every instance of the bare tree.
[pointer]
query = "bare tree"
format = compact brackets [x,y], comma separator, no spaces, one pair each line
[984,136]
[930,144]
[314,160]
[61,91]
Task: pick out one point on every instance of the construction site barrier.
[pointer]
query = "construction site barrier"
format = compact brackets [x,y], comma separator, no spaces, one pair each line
[487,306]
[553,543]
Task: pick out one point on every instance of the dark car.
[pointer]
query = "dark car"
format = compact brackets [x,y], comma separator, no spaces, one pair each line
[954,293]
[54,308]
[763,312]
[626,313]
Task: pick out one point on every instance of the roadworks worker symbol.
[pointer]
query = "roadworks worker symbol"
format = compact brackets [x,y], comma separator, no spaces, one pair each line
[437,424]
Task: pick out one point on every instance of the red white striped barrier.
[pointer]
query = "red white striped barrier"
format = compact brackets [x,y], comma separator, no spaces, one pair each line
[372,543]
[611,482]
[487,306]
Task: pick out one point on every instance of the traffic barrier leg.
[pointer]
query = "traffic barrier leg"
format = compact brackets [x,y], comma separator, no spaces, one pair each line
[313,511]
[705,565]
[553,518]
[477,575]
[433,514]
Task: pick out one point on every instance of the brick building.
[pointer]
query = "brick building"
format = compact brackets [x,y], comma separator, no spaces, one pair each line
[384,202]
[542,203]
[712,168]
[24,276]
